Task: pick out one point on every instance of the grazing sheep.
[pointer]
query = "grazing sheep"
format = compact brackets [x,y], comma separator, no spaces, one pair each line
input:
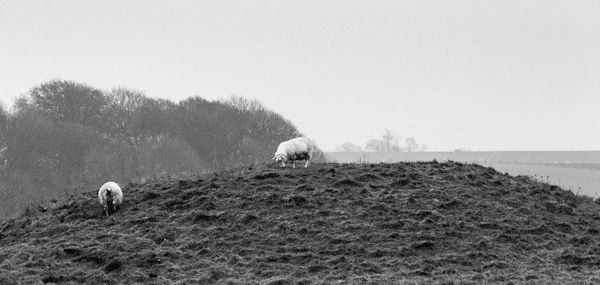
[294,149]
[110,194]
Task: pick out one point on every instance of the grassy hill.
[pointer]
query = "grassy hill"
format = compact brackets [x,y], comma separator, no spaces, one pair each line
[359,223]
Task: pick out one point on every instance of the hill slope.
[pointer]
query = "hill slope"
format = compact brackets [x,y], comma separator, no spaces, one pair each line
[431,222]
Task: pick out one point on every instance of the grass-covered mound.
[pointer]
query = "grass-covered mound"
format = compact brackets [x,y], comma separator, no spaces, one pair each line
[422,222]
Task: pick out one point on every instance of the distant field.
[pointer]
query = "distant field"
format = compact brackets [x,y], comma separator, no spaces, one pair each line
[569,169]
[567,157]
[567,177]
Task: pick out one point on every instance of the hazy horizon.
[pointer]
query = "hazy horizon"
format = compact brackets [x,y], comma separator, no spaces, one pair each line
[476,75]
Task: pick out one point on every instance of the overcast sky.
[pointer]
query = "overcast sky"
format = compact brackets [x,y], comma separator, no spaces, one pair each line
[480,75]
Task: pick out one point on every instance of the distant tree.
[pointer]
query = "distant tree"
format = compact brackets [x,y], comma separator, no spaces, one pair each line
[154,122]
[51,153]
[123,106]
[411,144]
[242,104]
[261,123]
[196,124]
[230,132]
[348,147]
[261,129]
[72,142]
[29,144]
[67,101]
[135,118]
[4,119]
[389,142]
[374,145]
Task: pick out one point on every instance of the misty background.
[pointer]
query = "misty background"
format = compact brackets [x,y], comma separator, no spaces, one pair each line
[478,75]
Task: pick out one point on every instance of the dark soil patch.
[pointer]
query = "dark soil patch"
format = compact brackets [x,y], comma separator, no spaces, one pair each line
[347,183]
[268,175]
[53,279]
[113,265]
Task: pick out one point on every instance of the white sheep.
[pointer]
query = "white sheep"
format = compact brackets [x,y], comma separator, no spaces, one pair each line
[294,149]
[110,194]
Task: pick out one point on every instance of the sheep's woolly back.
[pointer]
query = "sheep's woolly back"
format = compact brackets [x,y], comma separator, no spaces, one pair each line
[115,191]
[297,145]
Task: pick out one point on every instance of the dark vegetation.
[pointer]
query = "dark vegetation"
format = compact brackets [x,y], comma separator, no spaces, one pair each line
[63,137]
[444,223]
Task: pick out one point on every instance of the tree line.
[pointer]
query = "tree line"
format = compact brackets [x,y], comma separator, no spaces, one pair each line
[389,142]
[64,136]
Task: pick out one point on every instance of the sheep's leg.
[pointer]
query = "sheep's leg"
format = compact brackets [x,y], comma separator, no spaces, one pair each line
[293,164]
[114,208]
[106,210]
[306,164]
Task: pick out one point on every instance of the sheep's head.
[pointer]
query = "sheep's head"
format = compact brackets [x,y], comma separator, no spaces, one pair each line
[280,159]
[109,197]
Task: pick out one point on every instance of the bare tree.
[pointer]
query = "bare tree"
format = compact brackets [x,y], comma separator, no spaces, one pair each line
[67,101]
[375,145]
[135,118]
[389,142]
[411,144]
[123,106]
[348,147]
[4,119]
